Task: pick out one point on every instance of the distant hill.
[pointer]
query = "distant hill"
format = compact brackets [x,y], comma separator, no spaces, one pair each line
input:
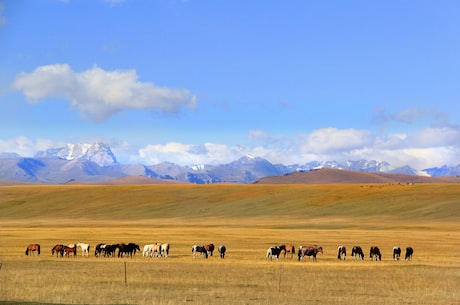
[338,176]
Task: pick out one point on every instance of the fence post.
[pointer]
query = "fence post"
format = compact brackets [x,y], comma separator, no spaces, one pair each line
[126,278]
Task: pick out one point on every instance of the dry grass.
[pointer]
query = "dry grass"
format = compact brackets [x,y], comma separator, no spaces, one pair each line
[248,219]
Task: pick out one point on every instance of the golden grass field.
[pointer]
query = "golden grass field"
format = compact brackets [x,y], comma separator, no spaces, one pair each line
[247,219]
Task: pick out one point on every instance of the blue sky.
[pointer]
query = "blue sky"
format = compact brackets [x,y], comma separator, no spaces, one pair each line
[210,81]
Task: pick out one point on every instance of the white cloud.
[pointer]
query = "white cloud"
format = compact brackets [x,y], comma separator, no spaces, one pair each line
[189,154]
[99,94]
[333,140]
[426,148]
[27,147]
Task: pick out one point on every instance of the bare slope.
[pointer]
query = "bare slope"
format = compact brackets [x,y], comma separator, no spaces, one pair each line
[334,176]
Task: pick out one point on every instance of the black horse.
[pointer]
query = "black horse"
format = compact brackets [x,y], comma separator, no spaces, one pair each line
[129,249]
[109,250]
[357,252]
[273,252]
[374,251]
[409,252]
[200,249]
[222,249]
[396,253]
[341,252]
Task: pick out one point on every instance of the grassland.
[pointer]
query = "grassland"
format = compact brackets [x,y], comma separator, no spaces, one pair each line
[247,219]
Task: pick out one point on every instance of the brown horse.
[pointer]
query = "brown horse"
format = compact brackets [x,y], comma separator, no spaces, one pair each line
[309,251]
[59,249]
[70,249]
[288,248]
[32,248]
[209,248]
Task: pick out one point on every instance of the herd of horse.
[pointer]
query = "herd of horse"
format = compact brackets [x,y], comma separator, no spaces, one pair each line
[357,253]
[162,250]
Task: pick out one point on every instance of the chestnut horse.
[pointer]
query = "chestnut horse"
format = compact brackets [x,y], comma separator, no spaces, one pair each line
[288,248]
[70,249]
[33,247]
[59,249]
[209,248]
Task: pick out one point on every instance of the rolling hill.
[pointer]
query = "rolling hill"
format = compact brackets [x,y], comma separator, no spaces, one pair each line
[337,176]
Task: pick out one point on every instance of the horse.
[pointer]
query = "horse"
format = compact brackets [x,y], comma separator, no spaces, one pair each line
[341,252]
[129,249]
[209,248]
[70,249]
[374,251]
[273,252]
[309,251]
[164,250]
[109,250]
[59,249]
[409,252]
[201,249]
[146,250]
[99,249]
[32,248]
[155,250]
[84,248]
[357,252]
[288,248]
[222,250]
[396,253]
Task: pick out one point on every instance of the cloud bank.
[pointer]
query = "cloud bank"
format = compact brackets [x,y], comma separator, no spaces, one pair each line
[429,147]
[99,94]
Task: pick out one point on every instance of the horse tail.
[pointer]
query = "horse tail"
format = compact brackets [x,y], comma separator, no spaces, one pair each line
[27,251]
[38,249]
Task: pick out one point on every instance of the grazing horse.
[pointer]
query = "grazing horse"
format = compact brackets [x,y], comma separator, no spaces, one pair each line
[357,252]
[84,248]
[396,253]
[341,252]
[70,249]
[59,249]
[273,252]
[201,249]
[210,249]
[409,252]
[109,250]
[146,250]
[129,249]
[100,249]
[164,250]
[374,251]
[32,248]
[155,250]
[309,251]
[288,248]
[222,250]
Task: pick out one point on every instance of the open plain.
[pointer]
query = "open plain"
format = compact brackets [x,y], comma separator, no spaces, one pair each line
[247,219]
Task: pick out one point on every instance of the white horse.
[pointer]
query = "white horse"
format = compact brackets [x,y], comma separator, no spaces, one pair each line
[84,248]
[164,250]
[147,249]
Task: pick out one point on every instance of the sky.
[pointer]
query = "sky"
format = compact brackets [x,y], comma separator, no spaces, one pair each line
[210,81]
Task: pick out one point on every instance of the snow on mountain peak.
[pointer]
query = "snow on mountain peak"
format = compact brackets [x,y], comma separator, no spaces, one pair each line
[98,153]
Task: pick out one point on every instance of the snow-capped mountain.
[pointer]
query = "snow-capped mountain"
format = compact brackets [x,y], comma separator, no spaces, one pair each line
[96,162]
[98,153]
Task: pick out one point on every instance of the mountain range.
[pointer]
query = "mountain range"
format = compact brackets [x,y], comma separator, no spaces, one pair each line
[96,162]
